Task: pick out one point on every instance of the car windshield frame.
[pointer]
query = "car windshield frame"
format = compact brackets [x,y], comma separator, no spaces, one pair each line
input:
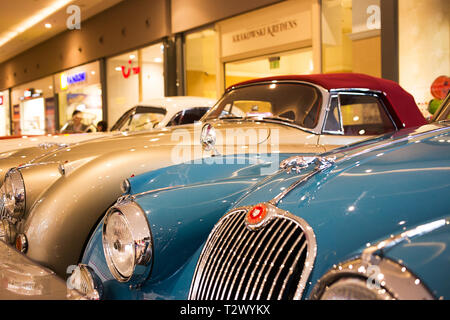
[125,119]
[270,118]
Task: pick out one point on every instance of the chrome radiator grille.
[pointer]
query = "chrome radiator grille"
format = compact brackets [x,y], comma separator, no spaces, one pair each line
[269,263]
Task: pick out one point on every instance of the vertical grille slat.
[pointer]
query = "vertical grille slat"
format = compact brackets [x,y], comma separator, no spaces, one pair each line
[261,236]
[212,248]
[214,261]
[271,263]
[260,263]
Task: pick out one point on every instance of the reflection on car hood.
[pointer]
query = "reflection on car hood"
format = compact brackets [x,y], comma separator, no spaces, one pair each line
[187,135]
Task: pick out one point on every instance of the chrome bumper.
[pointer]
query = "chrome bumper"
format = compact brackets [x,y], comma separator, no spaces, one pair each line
[23,279]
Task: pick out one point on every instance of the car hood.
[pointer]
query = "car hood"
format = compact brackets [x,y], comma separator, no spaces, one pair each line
[371,192]
[188,135]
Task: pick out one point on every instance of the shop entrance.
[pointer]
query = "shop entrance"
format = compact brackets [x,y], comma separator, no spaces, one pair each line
[32,120]
[285,63]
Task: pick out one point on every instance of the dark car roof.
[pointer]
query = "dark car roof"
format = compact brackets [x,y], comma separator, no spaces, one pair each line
[402,103]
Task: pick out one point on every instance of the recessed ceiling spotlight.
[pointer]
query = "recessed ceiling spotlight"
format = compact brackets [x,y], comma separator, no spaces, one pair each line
[48,25]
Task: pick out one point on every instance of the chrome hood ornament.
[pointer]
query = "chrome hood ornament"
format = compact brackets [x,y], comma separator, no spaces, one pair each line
[298,163]
[208,139]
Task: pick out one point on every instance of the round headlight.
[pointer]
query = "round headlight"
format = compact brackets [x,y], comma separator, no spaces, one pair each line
[127,242]
[84,280]
[12,198]
[354,289]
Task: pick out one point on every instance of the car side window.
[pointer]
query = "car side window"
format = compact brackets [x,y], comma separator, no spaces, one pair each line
[363,115]
[333,120]
[187,116]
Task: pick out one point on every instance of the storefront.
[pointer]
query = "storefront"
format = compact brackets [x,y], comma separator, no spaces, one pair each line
[271,41]
[79,89]
[424,49]
[133,77]
[4,113]
[33,108]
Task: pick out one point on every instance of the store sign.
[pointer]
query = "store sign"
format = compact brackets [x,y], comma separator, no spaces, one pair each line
[67,80]
[30,94]
[287,23]
[127,73]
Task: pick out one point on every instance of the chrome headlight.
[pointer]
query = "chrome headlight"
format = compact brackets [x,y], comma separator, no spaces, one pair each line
[12,195]
[378,279]
[354,289]
[84,280]
[127,242]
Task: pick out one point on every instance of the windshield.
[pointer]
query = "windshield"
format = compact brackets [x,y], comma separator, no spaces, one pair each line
[140,118]
[291,102]
[443,113]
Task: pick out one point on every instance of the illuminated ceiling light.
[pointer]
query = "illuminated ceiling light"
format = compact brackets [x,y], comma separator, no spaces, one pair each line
[158,60]
[48,25]
[132,56]
[35,19]
[118,69]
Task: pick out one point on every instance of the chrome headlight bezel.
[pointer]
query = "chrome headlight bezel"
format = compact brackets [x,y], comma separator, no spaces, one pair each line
[13,194]
[85,281]
[142,242]
[384,278]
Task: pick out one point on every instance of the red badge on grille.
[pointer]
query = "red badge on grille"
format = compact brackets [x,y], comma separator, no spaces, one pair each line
[257,214]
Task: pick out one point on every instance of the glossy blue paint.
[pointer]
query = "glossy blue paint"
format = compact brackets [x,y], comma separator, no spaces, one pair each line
[373,191]
[369,197]
[181,217]
[428,257]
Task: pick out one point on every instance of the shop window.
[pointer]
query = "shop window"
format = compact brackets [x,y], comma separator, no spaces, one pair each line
[351,40]
[4,113]
[424,51]
[80,89]
[201,64]
[134,77]
[33,108]
[290,62]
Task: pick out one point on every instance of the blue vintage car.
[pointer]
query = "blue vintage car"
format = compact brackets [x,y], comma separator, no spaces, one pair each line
[365,221]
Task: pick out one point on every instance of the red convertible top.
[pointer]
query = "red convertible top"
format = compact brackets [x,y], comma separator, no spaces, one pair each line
[401,104]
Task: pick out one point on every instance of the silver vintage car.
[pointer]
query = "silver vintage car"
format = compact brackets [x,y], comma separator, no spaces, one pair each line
[50,205]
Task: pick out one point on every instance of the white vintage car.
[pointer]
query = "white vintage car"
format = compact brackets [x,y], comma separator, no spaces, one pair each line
[146,115]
